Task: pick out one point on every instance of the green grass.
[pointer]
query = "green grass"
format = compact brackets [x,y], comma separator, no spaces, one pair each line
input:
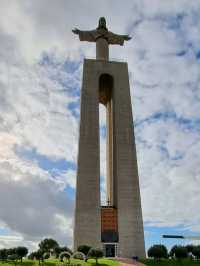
[186,262]
[56,262]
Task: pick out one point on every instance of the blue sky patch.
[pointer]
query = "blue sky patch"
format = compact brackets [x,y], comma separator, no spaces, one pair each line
[43,161]
[74,108]
[153,235]
[4,232]
[185,123]
[198,55]
[181,53]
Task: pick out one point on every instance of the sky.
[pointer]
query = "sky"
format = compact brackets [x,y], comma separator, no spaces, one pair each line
[40,81]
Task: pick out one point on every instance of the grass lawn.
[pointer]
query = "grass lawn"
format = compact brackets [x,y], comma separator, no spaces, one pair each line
[56,262]
[186,262]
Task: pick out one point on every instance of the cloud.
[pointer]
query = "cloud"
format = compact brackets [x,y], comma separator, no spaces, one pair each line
[33,203]
[167,117]
[34,108]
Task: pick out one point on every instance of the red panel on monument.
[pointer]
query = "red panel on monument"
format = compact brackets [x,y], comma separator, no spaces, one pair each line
[108,219]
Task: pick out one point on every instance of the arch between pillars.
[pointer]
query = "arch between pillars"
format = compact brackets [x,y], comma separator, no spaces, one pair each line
[105,88]
[106,83]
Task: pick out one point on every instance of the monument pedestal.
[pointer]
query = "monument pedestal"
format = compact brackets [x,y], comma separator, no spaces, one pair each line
[125,183]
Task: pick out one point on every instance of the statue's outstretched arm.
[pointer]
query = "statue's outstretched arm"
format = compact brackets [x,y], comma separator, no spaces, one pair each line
[76,31]
[117,39]
[127,37]
[85,35]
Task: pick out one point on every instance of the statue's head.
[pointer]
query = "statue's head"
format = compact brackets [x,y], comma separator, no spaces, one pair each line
[102,23]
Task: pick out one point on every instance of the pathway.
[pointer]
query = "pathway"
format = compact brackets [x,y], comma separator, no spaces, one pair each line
[129,262]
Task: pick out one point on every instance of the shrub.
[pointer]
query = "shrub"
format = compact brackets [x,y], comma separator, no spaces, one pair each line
[38,255]
[46,256]
[31,256]
[171,253]
[58,250]
[65,255]
[79,255]
[190,248]
[84,249]
[196,252]
[180,252]
[157,252]
[95,253]
[14,258]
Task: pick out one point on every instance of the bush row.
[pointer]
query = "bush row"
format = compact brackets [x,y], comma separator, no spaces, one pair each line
[178,252]
[48,248]
[13,253]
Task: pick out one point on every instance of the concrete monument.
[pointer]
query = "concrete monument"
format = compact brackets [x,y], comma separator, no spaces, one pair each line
[118,226]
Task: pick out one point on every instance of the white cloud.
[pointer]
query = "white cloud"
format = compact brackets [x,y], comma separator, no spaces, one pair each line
[34,204]
[67,178]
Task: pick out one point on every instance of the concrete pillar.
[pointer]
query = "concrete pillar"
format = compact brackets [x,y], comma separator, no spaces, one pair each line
[87,228]
[127,190]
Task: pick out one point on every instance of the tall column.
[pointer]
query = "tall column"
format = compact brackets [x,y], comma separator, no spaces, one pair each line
[87,230]
[127,190]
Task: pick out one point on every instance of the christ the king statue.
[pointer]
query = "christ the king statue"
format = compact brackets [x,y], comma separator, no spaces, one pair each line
[102,37]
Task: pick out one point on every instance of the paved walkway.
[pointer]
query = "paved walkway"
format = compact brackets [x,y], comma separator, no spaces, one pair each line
[129,262]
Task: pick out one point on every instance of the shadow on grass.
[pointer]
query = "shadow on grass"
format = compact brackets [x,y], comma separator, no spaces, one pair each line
[184,262]
[52,263]
[26,263]
[100,264]
[55,262]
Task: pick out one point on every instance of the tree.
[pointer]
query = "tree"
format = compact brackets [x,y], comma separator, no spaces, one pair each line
[180,252]
[190,248]
[48,244]
[58,250]
[172,251]
[46,256]
[21,252]
[11,251]
[14,258]
[38,255]
[95,253]
[157,252]
[3,254]
[84,249]
[196,252]
[31,256]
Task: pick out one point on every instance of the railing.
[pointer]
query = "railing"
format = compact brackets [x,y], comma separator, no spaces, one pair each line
[108,206]
[112,59]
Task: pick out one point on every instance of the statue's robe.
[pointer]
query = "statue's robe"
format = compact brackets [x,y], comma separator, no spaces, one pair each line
[93,35]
